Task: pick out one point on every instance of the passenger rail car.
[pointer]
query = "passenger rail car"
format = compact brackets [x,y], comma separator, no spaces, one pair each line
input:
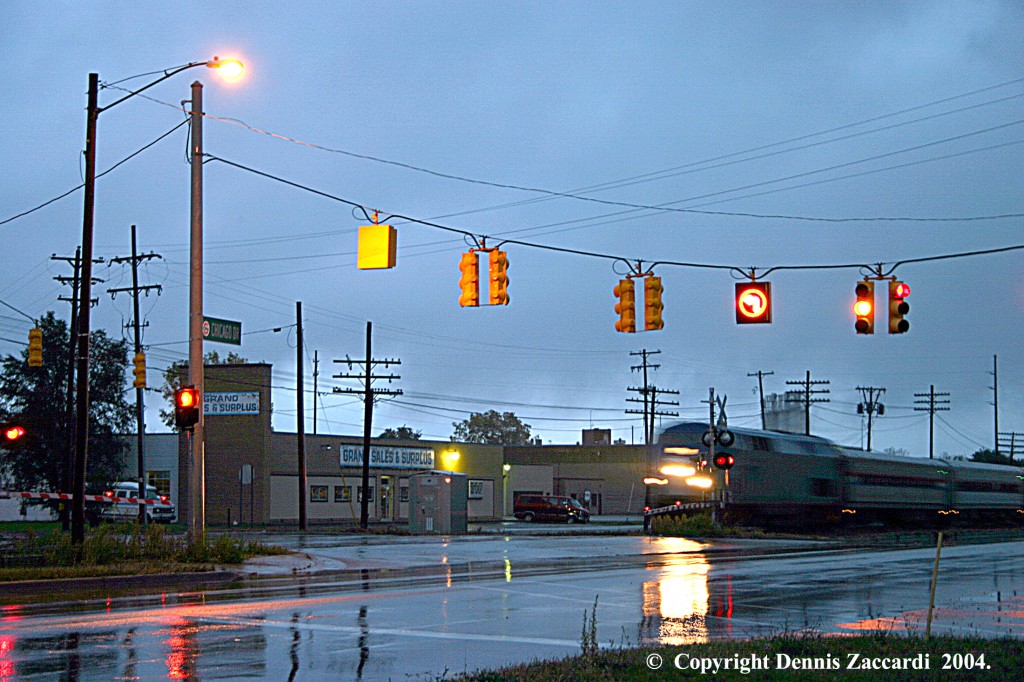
[783,478]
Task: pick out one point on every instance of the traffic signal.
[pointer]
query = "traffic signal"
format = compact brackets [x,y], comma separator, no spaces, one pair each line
[35,347]
[864,308]
[898,307]
[186,407]
[653,305]
[724,461]
[140,370]
[377,248]
[753,302]
[626,306]
[12,432]
[499,278]
[470,280]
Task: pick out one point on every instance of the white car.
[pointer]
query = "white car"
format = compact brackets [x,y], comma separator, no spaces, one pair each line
[158,507]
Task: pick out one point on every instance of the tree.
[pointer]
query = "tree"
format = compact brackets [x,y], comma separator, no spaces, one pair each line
[35,397]
[403,432]
[492,427]
[175,375]
[988,456]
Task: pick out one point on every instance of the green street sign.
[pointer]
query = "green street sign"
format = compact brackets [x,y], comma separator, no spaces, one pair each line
[223,331]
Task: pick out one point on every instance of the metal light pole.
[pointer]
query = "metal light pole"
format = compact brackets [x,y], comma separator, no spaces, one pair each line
[232,68]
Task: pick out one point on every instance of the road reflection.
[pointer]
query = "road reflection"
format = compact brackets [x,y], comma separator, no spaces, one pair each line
[676,602]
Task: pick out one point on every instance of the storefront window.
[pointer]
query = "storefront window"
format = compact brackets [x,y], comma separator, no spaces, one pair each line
[342,493]
[161,480]
[317,493]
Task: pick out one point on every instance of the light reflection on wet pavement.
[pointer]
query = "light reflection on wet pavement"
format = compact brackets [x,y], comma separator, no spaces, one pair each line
[460,618]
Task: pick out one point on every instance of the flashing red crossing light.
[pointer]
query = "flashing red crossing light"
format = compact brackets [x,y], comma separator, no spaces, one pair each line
[724,461]
[13,432]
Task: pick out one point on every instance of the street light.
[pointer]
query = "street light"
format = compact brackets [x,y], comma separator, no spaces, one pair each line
[231,67]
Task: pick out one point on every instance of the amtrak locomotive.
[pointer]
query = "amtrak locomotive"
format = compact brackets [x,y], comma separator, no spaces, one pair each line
[782,478]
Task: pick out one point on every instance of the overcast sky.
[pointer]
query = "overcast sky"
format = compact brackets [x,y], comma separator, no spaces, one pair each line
[740,110]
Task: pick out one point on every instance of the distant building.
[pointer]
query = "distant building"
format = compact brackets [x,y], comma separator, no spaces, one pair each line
[597,436]
[784,413]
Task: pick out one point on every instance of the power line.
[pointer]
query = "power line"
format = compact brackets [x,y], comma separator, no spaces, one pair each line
[98,175]
[579,252]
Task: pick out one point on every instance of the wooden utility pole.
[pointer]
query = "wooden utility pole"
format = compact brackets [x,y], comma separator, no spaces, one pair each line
[67,476]
[300,430]
[932,406]
[140,406]
[807,398]
[870,405]
[369,395]
[760,388]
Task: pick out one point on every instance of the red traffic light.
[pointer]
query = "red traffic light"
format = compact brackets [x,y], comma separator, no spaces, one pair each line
[13,433]
[753,302]
[186,407]
[724,460]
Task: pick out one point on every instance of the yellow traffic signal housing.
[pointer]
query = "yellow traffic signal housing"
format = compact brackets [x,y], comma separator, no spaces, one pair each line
[469,283]
[140,370]
[626,306]
[864,307]
[378,247]
[499,278]
[653,305]
[898,307]
[35,347]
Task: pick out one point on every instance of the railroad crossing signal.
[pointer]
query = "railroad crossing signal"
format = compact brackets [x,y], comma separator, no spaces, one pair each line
[186,407]
[626,306]
[653,305]
[864,308]
[753,302]
[724,461]
[470,280]
[140,370]
[898,307]
[12,432]
[499,278]
[35,347]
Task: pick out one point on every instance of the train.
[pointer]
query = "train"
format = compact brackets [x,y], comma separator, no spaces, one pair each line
[780,479]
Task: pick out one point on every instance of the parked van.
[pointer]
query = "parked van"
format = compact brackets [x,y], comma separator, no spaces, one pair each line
[160,509]
[550,508]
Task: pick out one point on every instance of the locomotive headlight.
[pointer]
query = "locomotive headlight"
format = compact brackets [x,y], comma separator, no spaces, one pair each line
[704,482]
[678,470]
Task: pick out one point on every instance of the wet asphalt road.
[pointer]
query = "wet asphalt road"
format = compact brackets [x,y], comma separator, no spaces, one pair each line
[422,608]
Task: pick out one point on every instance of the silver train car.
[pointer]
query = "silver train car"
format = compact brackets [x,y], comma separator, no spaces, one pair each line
[786,479]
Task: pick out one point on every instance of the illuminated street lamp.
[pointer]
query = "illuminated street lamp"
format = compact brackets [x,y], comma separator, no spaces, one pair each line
[232,68]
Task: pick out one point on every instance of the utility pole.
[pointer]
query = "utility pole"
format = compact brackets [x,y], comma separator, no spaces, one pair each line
[67,475]
[369,395]
[649,399]
[995,399]
[760,387]
[870,405]
[300,418]
[140,409]
[316,395]
[807,398]
[644,367]
[1012,441]
[933,406]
